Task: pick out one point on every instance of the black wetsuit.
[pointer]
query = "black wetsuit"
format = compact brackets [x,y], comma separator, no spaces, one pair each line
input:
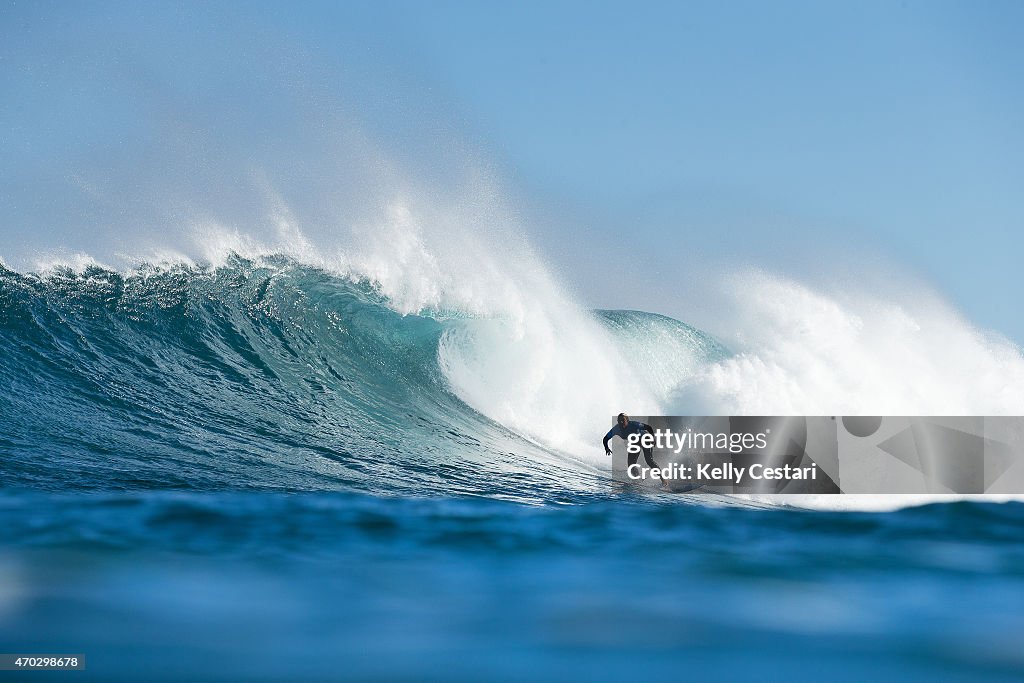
[634,427]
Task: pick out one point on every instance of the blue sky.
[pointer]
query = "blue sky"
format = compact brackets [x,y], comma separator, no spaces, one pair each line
[780,134]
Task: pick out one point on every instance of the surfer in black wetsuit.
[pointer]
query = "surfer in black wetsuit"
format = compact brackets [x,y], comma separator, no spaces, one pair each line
[625,428]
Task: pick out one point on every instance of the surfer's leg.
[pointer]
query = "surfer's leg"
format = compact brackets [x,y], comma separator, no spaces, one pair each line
[631,458]
[648,456]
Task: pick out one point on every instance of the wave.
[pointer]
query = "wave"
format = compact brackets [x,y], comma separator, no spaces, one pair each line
[272,374]
[267,371]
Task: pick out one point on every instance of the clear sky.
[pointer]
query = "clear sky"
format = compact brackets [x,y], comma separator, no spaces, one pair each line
[783,134]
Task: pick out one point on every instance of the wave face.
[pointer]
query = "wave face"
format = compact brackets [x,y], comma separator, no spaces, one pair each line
[270,374]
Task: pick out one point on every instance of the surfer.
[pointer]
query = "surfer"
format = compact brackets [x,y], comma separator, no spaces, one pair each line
[625,428]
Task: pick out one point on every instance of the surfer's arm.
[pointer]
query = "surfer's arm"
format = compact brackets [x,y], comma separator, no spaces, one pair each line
[607,438]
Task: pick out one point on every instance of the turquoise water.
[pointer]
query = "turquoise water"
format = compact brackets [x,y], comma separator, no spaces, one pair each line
[261,471]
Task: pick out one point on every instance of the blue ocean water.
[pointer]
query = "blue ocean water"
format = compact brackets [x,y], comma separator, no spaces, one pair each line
[259,471]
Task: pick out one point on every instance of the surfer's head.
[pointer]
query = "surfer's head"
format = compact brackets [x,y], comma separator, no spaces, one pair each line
[622,419]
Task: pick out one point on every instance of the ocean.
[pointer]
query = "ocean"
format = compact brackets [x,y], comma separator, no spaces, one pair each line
[267,470]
